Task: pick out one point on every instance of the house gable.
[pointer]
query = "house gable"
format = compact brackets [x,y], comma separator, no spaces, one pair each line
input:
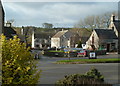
[60,33]
[93,41]
[66,39]
[114,25]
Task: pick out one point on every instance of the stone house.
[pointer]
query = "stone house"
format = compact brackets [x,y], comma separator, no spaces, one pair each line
[114,25]
[41,40]
[105,38]
[64,38]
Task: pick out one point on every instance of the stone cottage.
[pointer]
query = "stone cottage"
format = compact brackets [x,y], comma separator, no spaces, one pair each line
[105,38]
[64,38]
[41,40]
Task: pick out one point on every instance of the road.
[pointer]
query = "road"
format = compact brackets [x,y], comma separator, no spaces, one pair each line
[52,72]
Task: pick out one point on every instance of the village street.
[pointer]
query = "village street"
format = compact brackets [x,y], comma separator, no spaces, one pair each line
[52,72]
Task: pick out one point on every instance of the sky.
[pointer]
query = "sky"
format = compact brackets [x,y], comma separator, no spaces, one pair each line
[60,14]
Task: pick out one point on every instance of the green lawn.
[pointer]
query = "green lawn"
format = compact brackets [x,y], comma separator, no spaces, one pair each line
[83,61]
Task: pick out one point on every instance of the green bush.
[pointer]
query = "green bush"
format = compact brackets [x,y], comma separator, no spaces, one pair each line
[18,65]
[93,72]
[91,78]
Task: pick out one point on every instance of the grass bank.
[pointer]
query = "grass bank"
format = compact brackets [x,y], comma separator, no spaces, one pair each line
[84,61]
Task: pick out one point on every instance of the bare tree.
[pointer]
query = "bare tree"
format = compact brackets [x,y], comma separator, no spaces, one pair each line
[98,21]
[27,32]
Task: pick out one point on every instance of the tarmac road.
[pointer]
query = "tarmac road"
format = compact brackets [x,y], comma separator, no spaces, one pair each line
[52,72]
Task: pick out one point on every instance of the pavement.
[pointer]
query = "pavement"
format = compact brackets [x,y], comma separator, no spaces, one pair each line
[52,72]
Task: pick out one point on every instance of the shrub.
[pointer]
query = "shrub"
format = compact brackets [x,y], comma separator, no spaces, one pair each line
[18,65]
[88,79]
[93,72]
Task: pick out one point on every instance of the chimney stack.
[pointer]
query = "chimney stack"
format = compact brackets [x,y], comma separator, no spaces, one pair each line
[33,39]
[112,18]
[8,24]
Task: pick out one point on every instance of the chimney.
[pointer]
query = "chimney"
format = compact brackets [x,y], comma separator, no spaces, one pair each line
[33,39]
[112,18]
[22,30]
[8,24]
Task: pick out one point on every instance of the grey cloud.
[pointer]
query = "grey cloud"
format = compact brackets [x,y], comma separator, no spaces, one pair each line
[63,14]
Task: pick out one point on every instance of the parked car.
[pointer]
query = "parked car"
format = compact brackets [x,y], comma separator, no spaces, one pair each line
[82,53]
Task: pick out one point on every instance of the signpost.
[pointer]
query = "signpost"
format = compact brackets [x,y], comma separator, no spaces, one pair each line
[92,55]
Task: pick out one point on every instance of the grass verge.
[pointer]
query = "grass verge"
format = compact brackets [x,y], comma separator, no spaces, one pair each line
[84,61]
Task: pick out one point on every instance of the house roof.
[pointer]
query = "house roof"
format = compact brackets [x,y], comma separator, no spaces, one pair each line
[43,35]
[59,34]
[84,39]
[106,34]
[117,24]
[9,31]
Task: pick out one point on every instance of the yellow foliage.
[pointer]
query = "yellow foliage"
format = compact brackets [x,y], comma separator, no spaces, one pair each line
[18,65]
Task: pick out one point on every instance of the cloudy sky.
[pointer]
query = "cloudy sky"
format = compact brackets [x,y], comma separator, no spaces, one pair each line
[60,14]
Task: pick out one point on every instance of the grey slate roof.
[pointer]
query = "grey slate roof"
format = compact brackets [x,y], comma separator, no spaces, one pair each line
[84,39]
[8,31]
[43,35]
[106,34]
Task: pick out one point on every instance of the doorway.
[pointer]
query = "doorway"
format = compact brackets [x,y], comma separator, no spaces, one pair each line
[108,47]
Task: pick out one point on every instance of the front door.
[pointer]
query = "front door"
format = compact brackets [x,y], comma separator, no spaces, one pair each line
[108,47]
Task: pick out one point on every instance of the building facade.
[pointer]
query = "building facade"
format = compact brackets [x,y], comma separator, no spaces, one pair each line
[41,40]
[64,38]
[105,38]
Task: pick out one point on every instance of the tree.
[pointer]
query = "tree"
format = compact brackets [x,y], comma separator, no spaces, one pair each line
[79,44]
[18,65]
[98,21]
[47,25]
[27,33]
